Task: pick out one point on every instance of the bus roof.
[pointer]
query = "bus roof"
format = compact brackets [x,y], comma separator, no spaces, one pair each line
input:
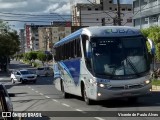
[101,31]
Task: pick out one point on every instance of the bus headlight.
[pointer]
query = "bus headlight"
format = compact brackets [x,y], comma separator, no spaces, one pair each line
[101,85]
[147,81]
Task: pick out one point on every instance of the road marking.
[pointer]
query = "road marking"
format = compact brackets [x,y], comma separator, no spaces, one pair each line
[66,105]
[41,93]
[47,96]
[80,110]
[36,91]
[99,118]
[32,89]
[54,100]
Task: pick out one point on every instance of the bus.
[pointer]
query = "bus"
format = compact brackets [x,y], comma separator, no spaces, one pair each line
[103,62]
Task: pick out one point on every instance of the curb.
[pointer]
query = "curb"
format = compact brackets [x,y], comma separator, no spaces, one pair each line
[155,88]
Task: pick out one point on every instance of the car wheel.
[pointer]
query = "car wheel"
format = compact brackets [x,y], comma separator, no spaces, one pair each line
[46,74]
[34,81]
[12,80]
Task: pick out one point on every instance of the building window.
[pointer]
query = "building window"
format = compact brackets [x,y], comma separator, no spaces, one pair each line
[97,19]
[89,9]
[129,9]
[110,8]
[115,9]
[96,8]
[123,9]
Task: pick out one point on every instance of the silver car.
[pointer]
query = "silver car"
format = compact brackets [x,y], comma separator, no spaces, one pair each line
[23,76]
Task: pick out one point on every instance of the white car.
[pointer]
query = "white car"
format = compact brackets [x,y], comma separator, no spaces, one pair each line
[5,100]
[44,71]
[23,76]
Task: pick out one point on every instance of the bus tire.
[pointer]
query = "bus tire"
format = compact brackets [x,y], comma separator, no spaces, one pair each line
[64,94]
[86,99]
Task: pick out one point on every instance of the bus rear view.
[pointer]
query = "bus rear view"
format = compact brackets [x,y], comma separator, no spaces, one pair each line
[115,63]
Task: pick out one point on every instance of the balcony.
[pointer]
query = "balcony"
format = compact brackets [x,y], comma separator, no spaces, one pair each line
[149,9]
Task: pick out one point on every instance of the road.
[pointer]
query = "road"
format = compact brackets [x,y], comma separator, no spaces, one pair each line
[43,96]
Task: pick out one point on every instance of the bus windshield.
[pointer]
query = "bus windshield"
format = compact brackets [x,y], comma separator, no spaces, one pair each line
[119,55]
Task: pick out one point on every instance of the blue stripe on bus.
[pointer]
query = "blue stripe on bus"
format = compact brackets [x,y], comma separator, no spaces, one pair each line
[72,67]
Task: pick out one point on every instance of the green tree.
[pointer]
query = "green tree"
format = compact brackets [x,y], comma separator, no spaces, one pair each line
[9,40]
[41,56]
[153,33]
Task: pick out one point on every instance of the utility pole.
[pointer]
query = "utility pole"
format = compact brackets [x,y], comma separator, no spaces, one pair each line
[118,13]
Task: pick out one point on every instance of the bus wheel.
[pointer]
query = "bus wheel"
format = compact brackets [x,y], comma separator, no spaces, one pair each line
[86,99]
[65,95]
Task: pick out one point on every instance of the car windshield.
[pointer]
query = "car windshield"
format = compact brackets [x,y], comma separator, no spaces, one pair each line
[25,72]
[119,56]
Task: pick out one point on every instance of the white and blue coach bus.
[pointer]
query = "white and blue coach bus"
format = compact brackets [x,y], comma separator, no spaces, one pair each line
[105,62]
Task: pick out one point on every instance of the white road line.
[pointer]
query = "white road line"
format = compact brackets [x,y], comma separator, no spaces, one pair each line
[54,100]
[32,89]
[41,93]
[80,110]
[36,91]
[66,105]
[99,118]
[47,96]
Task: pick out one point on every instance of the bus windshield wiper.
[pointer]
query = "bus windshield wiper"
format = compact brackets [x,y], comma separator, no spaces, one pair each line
[132,66]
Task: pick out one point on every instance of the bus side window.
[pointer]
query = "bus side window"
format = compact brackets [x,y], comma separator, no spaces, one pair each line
[75,48]
[78,48]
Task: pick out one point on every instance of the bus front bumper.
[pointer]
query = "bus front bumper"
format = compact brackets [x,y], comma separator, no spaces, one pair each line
[105,94]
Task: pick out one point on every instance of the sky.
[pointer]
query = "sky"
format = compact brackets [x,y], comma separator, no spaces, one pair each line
[37,10]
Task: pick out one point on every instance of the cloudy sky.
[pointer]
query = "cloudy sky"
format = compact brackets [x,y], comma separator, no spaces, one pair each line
[23,11]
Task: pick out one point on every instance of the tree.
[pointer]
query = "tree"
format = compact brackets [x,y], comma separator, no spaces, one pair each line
[41,56]
[9,41]
[153,33]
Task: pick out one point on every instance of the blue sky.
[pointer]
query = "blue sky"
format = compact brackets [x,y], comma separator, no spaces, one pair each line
[31,10]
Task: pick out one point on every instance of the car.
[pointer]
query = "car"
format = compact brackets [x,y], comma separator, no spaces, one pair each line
[44,71]
[23,76]
[5,101]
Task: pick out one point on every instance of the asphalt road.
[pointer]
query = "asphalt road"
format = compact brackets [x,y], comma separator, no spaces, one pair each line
[43,97]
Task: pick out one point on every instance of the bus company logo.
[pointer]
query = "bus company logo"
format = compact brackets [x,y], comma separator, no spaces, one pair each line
[6,114]
[126,31]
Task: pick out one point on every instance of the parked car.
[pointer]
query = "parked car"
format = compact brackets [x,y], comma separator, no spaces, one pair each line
[5,101]
[23,76]
[44,71]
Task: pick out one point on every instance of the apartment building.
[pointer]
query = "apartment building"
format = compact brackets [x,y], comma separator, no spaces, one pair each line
[146,13]
[32,37]
[48,36]
[22,41]
[101,11]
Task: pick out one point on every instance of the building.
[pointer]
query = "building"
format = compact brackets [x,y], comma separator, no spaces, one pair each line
[32,37]
[146,13]
[50,35]
[101,12]
[22,41]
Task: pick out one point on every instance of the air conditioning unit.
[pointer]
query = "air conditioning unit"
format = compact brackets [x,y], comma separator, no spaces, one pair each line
[154,18]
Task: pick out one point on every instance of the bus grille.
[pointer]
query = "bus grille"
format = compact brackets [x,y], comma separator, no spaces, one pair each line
[126,87]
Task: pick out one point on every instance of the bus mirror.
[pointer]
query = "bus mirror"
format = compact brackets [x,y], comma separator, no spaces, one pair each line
[153,50]
[88,49]
[54,51]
